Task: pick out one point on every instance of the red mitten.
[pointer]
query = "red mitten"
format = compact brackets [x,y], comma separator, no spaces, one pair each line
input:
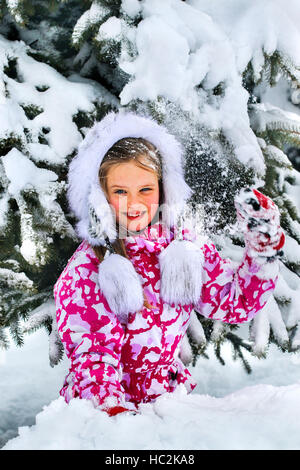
[116,410]
[260,221]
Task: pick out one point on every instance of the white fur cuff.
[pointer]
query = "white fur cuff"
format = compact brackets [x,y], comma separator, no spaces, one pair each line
[120,285]
[181,265]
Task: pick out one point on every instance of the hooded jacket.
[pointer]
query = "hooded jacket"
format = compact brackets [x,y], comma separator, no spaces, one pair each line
[121,352]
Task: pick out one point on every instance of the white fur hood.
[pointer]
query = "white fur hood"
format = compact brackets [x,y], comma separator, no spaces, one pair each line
[84,191]
[117,277]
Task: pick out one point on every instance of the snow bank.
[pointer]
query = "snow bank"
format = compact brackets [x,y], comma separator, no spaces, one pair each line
[258,411]
[27,383]
[258,417]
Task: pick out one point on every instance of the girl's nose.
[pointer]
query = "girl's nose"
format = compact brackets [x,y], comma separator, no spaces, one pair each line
[134,201]
[135,207]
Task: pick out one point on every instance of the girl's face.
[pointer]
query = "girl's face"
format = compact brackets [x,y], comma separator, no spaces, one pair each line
[134,194]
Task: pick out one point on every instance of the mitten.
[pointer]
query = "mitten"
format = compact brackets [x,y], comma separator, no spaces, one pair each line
[118,409]
[259,218]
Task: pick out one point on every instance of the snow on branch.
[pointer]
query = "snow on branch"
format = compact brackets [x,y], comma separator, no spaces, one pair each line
[45,314]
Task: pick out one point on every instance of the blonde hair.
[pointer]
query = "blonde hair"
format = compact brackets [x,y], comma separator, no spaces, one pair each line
[145,155]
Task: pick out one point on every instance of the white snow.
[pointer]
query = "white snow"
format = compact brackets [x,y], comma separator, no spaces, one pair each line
[63,98]
[14,6]
[90,17]
[55,100]
[256,27]
[23,174]
[182,45]
[131,7]
[111,29]
[228,409]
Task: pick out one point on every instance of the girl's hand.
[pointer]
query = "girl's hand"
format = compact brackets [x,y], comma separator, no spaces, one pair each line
[259,218]
[119,409]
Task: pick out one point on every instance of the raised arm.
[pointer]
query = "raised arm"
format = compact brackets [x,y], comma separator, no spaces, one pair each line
[236,294]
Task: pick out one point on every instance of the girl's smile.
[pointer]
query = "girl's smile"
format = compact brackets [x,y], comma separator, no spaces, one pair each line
[135,216]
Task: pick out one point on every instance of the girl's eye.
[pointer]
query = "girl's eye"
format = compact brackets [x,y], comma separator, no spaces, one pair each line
[120,191]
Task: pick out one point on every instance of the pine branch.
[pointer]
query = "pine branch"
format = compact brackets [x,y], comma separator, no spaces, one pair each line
[16,332]
[238,343]
[4,341]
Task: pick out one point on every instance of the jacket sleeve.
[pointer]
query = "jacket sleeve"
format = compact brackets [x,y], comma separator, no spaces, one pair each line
[91,334]
[235,294]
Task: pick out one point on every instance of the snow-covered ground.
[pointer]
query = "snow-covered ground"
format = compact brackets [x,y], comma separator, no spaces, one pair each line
[228,409]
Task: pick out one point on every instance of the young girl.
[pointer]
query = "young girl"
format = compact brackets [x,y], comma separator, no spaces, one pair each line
[125,298]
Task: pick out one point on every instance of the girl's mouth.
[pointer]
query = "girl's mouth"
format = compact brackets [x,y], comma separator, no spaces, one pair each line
[135,216]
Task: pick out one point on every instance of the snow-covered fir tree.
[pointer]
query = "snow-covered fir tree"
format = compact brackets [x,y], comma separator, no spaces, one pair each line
[210,71]
[39,108]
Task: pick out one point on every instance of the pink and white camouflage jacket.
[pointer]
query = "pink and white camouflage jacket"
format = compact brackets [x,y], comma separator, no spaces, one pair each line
[118,364]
